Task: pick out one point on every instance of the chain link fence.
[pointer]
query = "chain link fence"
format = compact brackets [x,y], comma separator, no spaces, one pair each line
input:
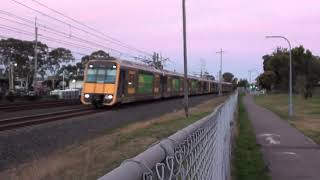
[201,151]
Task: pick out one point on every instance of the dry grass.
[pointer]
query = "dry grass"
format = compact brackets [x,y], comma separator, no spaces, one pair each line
[100,155]
[306,112]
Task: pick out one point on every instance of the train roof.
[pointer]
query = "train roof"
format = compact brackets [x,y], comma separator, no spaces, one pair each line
[131,64]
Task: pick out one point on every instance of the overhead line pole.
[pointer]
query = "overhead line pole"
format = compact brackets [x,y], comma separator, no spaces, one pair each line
[35,55]
[220,72]
[186,89]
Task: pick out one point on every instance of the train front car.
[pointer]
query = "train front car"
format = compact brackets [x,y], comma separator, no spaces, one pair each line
[100,83]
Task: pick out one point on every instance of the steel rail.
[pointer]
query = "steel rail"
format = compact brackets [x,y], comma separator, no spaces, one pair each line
[18,122]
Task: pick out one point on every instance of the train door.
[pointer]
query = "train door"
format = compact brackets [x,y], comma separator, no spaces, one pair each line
[122,84]
[157,89]
[181,86]
[163,86]
[169,86]
[132,79]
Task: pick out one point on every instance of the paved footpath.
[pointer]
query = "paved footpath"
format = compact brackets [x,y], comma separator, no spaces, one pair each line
[288,153]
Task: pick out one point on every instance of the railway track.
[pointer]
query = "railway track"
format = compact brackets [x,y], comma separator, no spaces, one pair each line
[39,105]
[18,122]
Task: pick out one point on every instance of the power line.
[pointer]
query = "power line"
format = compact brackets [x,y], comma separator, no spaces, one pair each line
[50,47]
[93,29]
[16,30]
[50,39]
[75,27]
[57,32]
[13,21]
[15,16]
[54,31]
[60,33]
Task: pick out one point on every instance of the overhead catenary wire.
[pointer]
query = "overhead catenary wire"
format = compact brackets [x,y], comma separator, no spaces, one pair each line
[62,34]
[52,40]
[76,27]
[16,30]
[65,35]
[72,44]
[17,22]
[52,48]
[91,28]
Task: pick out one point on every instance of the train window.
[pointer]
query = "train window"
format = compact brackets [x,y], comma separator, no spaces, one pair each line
[101,75]
[110,76]
[91,75]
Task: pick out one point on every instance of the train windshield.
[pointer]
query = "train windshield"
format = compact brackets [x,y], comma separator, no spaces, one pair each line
[105,73]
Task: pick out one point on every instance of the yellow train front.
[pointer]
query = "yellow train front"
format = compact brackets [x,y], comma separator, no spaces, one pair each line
[108,82]
[100,83]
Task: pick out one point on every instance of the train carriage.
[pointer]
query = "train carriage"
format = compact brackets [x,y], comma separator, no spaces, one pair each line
[108,82]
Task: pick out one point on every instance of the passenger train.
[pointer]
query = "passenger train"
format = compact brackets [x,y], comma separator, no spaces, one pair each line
[110,82]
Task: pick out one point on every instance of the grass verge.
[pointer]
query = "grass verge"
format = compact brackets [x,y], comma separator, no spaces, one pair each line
[98,156]
[306,112]
[248,161]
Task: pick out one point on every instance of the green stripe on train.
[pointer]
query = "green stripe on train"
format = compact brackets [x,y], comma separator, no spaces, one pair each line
[176,85]
[145,83]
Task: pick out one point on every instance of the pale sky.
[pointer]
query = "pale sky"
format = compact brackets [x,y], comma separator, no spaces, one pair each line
[237,26]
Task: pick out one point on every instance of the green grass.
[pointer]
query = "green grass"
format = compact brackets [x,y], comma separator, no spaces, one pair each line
[160,130]
[248,161]
[306,112]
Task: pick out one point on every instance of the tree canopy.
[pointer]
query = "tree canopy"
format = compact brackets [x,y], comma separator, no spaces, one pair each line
[22,53]
[306,67]
[228,77]
[100,54]
[50,61]
[243,83]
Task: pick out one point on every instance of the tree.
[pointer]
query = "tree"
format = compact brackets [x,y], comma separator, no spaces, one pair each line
[243,83]
[234,83]
[228,77]
[58,57]
[266,80]
[22,53]
[306,67]
[100,55]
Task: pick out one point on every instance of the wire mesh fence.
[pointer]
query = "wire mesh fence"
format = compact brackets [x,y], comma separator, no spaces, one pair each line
[201,151]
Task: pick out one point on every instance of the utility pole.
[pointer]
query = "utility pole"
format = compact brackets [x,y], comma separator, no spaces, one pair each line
[35,55]
[63,80]
[11,82]
[11,75]
[220,72]
[186,89]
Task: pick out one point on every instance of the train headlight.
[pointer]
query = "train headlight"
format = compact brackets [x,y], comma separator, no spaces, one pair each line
[87,96]
[108,96]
